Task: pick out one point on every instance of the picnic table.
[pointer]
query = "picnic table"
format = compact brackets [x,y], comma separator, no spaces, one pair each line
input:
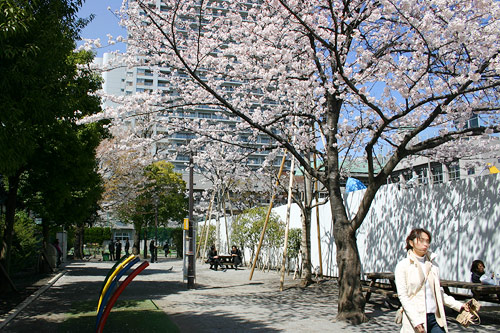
[481,292]
[384,288]
[226,260]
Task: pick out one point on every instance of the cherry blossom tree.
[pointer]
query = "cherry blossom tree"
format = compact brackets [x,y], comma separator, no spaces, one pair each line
[363,75]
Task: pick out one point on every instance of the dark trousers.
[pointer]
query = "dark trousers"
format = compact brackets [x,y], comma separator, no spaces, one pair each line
[237,262]
[432,325]
[214,263]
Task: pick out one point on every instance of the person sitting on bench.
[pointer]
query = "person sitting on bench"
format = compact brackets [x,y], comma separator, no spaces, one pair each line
[213,258]
[479,276]
[236,254]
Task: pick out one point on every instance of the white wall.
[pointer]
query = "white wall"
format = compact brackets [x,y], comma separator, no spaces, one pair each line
[463,217]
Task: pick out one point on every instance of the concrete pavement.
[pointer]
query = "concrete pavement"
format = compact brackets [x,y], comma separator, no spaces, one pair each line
[222,302]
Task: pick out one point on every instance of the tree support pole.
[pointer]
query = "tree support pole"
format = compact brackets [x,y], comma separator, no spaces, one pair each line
[267,216]
[317,220]
[225,220]
[208,227]
[205,225]
[288,207]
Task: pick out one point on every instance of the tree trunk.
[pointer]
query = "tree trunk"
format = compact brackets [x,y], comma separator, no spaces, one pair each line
[45,234]
[351,304]
[145,243]
[79,242]
[8,234]
[306,247]
[137,240]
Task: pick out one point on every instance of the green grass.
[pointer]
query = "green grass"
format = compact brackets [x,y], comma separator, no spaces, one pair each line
[126,316]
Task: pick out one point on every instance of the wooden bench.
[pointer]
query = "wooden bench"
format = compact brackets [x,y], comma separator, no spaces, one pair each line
[386,289]
[480,292]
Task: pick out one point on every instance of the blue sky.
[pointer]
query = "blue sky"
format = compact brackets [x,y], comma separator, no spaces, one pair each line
[104,23]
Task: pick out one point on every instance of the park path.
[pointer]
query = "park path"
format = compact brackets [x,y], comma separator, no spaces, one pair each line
[221,302]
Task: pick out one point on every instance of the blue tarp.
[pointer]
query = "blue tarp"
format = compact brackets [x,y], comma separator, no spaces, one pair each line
[353,184]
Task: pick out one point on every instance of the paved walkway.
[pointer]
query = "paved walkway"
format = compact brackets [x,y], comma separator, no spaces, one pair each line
[222,302]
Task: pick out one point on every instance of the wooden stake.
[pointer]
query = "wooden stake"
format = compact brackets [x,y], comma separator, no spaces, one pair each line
[267,216]
[317,221]
[205,225]
[288,207]
[208,227]
[225,221]
[217,222]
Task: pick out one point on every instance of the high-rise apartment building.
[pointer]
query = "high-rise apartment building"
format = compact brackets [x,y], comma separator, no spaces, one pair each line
[123,81]
[120,80]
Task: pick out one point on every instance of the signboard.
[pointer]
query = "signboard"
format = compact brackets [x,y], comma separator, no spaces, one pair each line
[186,224]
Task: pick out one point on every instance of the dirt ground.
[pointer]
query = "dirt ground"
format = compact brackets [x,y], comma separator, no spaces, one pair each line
[26,284]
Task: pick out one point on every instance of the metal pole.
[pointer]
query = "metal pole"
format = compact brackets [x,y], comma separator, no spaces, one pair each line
[155,254]
[191,274]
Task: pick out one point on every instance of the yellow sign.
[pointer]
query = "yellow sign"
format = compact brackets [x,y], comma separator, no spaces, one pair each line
[186,224]
[493,169]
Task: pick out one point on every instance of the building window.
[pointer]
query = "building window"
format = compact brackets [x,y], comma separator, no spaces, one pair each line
[422,175]
[437,173]
[121,235]
[473,122]
[181,157]
[454,171]
[471,171]
[145,72]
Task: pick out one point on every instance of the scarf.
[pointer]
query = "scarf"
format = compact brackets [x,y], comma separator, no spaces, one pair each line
[429,275]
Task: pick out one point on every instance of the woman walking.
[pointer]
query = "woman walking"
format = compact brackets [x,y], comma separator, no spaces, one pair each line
[419,289]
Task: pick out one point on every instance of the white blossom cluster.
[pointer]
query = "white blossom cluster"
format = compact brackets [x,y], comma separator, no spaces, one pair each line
[340,78]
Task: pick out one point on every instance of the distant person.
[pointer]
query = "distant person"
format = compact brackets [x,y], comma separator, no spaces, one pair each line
[213,258]
[166,248]
[59,252]
[127,247]
[152,250]
[236,254]
[111,248]
[118,250]
[478,275]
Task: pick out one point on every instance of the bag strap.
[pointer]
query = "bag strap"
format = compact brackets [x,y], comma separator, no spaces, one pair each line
[429,268]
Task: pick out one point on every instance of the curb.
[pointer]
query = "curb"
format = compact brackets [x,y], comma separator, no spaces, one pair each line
[14,312]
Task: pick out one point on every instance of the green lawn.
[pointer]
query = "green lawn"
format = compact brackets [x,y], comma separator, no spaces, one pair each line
[126,316]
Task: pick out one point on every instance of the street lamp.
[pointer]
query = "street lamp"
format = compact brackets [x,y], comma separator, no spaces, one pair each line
[191,273]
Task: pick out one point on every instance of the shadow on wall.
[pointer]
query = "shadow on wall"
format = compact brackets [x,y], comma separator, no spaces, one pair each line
[462,216]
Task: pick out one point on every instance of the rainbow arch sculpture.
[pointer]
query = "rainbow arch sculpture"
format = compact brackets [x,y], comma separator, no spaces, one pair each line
[112,279]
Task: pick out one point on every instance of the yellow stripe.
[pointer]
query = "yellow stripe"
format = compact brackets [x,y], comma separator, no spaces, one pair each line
[110,280]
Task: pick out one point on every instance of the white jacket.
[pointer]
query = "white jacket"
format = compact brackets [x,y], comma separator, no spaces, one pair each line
[409,278]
